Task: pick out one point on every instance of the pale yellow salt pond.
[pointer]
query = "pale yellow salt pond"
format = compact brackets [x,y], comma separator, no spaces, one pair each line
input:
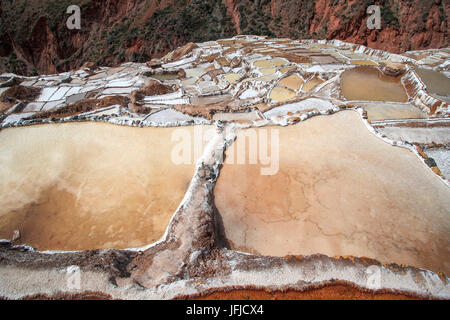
[364,62]
[266,78]
[369,84]
[79,186]
[280,94]
[311,84]
[232,77]
[390,111]
[286,69]
[293,82]
[339,190]
[266,71]
[276,62]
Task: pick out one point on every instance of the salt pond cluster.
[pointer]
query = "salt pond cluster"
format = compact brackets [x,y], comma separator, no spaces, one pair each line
[350,120]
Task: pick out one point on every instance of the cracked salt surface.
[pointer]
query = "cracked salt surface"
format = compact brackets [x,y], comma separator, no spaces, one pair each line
[348,202]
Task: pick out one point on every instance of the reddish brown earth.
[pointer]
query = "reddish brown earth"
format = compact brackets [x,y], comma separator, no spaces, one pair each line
[19,92]
[81,106]
[414,24]
[34,37]
[327,292]
[339,291]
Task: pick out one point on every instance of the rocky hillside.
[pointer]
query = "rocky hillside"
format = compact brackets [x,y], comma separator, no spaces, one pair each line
[34,37]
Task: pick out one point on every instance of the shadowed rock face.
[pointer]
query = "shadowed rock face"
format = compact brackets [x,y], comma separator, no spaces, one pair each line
[339,191]
[89,186]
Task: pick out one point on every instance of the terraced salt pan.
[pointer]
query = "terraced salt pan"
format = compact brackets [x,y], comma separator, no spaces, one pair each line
[418,93]
[315,68]
[286,69]
[51,105]
[436,82]
[311,84]
[165,76]
[214,99]
[249,93]
[266,78]
[198,71]
[170,99]
[369,84]
[122,83]
[384,111]
[324,59]
[417,135]
[17,116]
[168,116]
[340,190]
[237,116]
[79,186]
[280,94]
[119,91]
[268,70]
[189,81]
[179,63]
[232,77]
[293,82]
[298,107]
[33,107]
[276,62]
[47,93]
[364,62]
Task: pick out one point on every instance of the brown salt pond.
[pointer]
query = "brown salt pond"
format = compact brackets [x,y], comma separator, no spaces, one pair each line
[364,62]
[165,76]
[232,77]
[280,94]
[286,69]
[311,84]
[436,82]
[293,82]
[79,186]
[369,84]
[324,59]
[339,191]
[277,62]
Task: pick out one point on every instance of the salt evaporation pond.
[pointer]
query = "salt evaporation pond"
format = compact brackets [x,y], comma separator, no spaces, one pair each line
[79,186]
[369,84]
[388,111]
[165,76]
[435,81]
[340,190]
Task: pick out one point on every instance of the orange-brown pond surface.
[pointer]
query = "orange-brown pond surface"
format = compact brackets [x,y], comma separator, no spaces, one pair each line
[332,292]
[370,84]
[78,186]
[339,191]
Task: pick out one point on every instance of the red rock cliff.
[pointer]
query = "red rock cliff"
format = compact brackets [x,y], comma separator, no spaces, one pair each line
[34,37]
